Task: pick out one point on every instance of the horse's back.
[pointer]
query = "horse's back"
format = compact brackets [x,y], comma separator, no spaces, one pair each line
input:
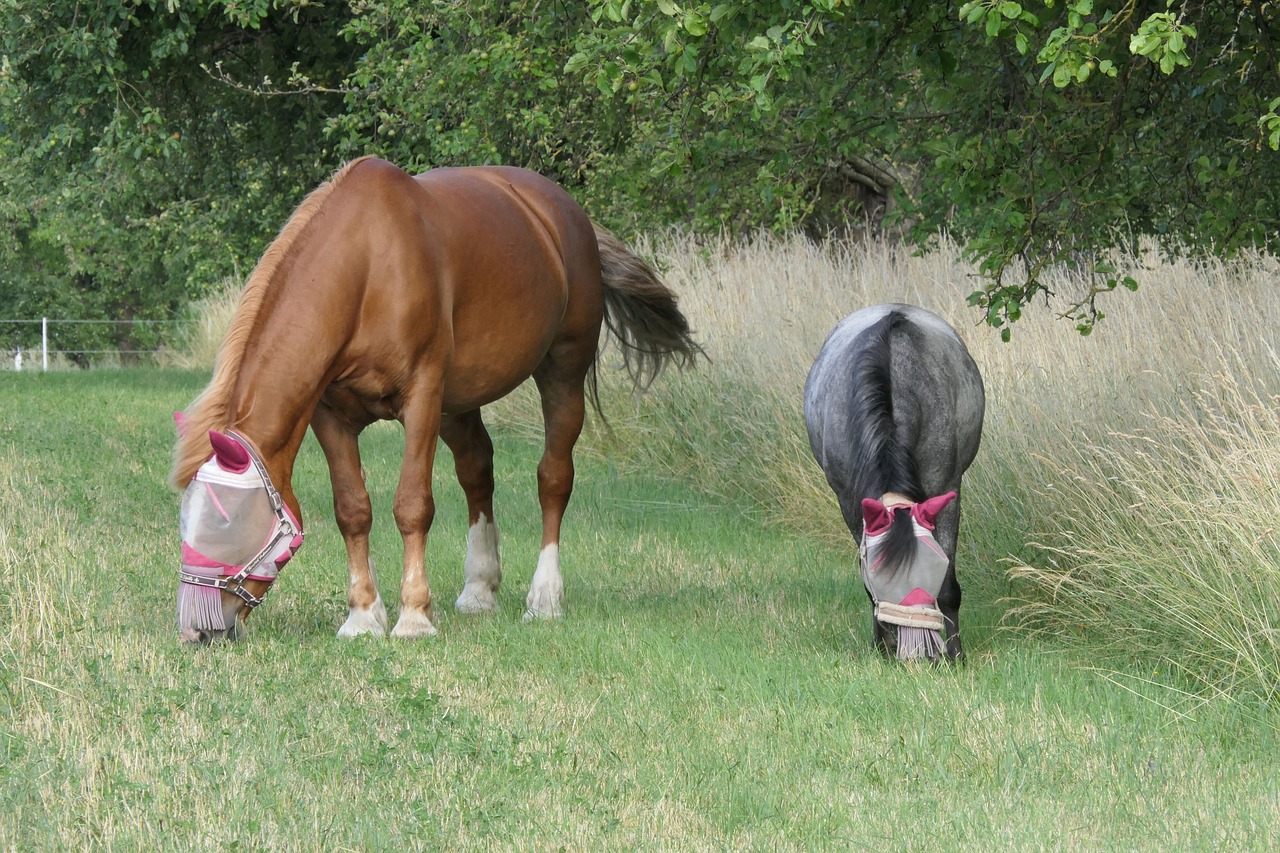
[479,269]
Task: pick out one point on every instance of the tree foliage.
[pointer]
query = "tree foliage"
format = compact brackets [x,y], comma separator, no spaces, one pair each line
[149,147]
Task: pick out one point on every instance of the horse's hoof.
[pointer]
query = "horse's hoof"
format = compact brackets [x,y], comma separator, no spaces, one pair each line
[476,599]
[543,609]
[363,621]
[413,625]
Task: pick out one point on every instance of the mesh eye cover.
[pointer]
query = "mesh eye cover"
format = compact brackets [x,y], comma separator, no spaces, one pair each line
[925,570]
[225,517]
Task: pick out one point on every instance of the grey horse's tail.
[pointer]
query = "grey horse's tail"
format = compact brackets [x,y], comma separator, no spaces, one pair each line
[884,464]
[642,315]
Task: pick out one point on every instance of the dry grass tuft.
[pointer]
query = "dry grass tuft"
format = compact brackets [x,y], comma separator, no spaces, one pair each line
[213,316]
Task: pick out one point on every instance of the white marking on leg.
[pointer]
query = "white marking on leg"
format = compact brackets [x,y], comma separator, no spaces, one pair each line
[366,620]
[413,624]
[483,569]
[546,593]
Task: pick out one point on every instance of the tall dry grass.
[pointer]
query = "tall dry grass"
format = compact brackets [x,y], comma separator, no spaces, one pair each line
[1124,494]
[1123,497]
[212,315]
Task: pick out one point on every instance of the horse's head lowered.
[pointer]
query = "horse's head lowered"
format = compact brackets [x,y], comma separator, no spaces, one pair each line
[237,533]
[903,568]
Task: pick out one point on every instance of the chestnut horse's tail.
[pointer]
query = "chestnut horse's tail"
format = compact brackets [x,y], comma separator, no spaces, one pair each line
[641,313]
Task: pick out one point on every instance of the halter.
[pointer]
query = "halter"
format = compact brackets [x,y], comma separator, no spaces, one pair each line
[285,528]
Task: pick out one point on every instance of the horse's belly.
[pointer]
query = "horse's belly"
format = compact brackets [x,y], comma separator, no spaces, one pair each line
[478,377]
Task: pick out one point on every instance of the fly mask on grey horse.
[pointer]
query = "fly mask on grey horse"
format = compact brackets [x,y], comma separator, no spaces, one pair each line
[904,574]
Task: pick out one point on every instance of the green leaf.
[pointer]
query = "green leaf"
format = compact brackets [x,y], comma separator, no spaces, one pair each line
[972,12]
[721,12]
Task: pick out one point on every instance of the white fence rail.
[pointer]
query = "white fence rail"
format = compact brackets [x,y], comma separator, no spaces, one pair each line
[20,360]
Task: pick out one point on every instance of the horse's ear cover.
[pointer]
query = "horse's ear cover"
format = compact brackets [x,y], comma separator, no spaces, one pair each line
[876,517]
[231,454]
[926,512]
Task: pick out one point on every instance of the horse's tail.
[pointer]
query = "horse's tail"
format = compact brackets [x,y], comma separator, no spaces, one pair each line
[884,463]
[641,313]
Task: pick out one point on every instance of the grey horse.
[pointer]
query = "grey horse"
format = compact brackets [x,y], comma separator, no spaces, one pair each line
[894,405]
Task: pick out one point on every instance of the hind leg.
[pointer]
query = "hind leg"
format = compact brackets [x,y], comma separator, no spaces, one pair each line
[563,412]
[354,514]
[473,462]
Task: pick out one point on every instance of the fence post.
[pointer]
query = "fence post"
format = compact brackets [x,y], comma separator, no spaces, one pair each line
[44,342]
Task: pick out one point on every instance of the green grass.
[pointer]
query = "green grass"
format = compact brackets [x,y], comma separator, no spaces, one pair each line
[711,686]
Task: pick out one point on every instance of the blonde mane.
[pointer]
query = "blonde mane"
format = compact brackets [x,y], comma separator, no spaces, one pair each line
[211,409]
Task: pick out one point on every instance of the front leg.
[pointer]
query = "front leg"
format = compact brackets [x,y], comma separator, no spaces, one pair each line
[415,508]
[354,515]
[947,533]
[949,604]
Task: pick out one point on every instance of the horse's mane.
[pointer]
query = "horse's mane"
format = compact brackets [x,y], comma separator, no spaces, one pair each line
[211,409]
[882,464]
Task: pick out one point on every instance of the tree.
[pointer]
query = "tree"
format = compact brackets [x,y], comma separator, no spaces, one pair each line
[134,175]
[150,148]
[1036,132]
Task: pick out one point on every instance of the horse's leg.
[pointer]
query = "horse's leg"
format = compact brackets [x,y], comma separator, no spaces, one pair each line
[354,514]
[948,533]
[563,412]
[473,462]
[415,506]
[883,637]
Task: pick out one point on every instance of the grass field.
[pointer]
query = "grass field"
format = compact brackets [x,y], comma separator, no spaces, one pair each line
[712,685]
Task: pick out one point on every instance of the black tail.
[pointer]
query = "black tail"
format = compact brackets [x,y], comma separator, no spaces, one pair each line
[641,313]
[883,464]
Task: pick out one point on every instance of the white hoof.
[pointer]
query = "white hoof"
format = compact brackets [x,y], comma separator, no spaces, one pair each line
[476,598]
[546,592]
[543,611]
[365,621]
[413,624]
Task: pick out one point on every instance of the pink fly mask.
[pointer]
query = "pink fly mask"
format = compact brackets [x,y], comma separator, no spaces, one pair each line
[235,527]
[904,576]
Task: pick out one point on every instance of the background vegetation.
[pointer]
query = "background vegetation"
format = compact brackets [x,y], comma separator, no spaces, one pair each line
[150,147]
[712,685]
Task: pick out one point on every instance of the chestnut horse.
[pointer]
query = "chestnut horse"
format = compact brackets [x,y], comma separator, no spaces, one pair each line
[419,299]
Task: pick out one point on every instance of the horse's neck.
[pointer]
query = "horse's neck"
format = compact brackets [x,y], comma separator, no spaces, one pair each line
[280,382]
